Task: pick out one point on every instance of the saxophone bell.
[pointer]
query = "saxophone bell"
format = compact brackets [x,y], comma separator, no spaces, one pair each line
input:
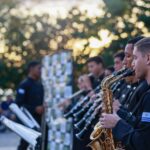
[97,132]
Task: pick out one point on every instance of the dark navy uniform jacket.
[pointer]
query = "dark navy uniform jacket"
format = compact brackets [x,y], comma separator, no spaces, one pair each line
[96,81]
[127,111]
[136,137]
[30,94]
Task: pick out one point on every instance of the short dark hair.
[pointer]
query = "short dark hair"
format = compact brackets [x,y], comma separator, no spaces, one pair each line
[143,45]
[111,68]
[119,54]
[96,59]
[135,40]
[32,64]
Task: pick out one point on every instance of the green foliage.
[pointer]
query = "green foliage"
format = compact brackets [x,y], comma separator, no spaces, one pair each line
[28,37]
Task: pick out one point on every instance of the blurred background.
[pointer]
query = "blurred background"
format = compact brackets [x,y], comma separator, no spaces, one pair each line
[31,29]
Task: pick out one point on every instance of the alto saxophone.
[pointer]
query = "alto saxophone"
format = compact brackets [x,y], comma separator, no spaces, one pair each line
[102,138]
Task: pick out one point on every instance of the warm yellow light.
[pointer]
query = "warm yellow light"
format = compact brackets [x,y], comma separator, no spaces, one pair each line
[124,35]
[140,3]
[95,43]
[105,39]
[145,30]
[60,8]
[135,10]
[27,35]
[95,52]
[2,47]
[77,45]
[133,19]
[103,33]
[140,24]
[120,24]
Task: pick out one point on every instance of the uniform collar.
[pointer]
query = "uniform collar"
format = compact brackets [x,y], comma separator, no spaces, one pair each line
[101,77]
[31,79]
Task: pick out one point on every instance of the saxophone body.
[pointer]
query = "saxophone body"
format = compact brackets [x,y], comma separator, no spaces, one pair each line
[102,139]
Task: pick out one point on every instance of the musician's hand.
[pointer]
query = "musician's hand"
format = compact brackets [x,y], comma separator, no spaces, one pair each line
[91,93]
[39,110]
[64,104]
[93,97]
[109,120]
[116,105]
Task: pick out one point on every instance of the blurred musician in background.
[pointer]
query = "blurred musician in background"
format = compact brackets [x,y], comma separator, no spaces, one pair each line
[118,64]
[84,84]
[118,60]
[96,67]
[109,70]
[89,83]
[30,94]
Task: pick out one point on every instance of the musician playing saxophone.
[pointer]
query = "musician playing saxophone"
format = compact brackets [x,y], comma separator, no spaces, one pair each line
[135,137]
[128,96]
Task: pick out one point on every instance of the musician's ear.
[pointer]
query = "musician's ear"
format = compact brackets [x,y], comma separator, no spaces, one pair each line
[148,59]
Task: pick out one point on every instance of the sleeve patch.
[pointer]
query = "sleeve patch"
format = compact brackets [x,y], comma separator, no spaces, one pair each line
[145,117]
[21,91]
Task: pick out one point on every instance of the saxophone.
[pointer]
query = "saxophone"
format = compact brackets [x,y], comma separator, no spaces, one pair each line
[102,139]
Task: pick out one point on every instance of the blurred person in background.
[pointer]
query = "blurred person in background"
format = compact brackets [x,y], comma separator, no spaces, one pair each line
[30,94]
[118,60]
[109,70]
[4,110]
[84,84]
[96,67]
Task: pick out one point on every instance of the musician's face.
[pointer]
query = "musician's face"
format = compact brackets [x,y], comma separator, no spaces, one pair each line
[107,72]
[118,63]
[95,68]
[128,56]
[80,84]
[84,83]
[139,64]
[36,71]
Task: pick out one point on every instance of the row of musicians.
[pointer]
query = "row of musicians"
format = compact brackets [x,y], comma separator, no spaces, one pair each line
[131,118]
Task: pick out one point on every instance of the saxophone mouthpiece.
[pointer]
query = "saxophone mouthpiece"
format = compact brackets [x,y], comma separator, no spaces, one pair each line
[129,72]
[120,71]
